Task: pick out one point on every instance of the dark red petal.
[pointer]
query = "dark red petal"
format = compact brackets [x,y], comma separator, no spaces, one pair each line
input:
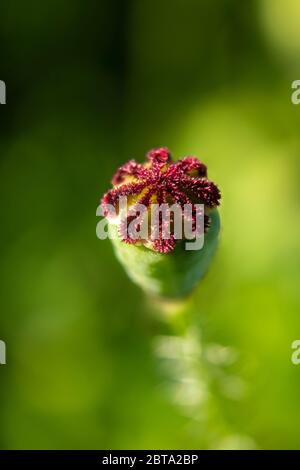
[123,230]
[135,217]
[159,156]
[205,191]
[145,199]
[191,164]
[164,246]
[177,194]
[112,196]
[131,168]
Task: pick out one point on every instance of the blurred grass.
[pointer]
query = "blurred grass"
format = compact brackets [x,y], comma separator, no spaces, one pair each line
[90,85]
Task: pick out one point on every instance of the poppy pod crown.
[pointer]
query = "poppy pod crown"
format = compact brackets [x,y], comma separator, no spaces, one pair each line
[160,180]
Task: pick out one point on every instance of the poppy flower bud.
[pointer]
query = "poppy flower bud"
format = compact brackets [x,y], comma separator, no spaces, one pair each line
[163,221]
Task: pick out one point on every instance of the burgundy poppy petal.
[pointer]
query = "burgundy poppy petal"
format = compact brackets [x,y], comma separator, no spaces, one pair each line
[131,168]
[112,196]
[164,246]
[203,189]
[159,156]
[191,165]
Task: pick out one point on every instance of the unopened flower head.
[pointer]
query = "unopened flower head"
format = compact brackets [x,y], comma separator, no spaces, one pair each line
[165,194]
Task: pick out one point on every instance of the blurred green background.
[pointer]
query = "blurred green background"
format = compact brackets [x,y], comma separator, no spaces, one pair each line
[91,84]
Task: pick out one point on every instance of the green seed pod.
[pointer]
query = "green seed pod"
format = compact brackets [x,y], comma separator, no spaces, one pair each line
[163,265]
